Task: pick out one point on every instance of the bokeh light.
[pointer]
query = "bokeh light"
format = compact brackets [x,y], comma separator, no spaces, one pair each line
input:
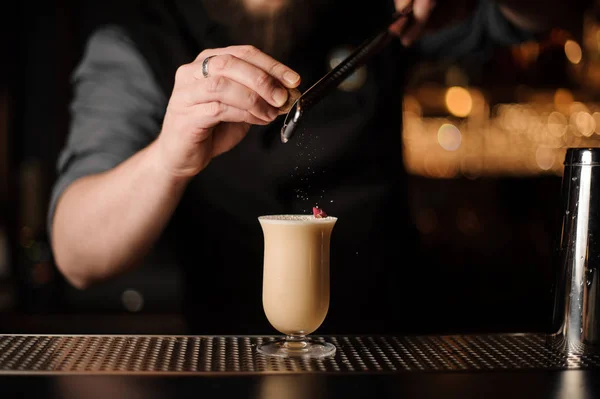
[458,101]
[426,221]
[545,158]
[596,116]
[467,221]
[585,123]
[449,137]
[453,128]
[557,124]
[573,51]
[563,99]
[578,106]
[132,300]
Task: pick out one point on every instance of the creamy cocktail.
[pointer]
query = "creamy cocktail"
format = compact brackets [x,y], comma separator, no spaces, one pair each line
[296,280]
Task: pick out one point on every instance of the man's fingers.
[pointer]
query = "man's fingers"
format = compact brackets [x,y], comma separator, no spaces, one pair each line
[287,76]
[402,24]
[422,9]
[409,29]
[398,27]
[209,115]
[249,75]
[227,91]
[402,4]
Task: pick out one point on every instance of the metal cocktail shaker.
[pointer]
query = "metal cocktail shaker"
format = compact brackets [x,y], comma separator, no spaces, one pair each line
[576,318]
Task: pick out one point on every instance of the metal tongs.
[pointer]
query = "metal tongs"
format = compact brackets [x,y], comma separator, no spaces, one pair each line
[334,77]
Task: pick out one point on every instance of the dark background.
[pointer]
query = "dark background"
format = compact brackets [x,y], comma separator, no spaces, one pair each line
[488,241]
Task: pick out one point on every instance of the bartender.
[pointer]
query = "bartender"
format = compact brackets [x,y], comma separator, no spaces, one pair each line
[174,146]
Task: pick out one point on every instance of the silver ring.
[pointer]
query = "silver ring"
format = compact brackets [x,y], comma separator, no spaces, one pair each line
[205,66]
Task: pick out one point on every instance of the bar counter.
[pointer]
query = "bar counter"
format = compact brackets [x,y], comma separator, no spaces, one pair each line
[156,366]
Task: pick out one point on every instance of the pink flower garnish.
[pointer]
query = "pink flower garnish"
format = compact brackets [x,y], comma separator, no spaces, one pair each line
[319,213]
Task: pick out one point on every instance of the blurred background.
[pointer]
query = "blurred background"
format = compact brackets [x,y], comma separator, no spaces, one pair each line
[483,144]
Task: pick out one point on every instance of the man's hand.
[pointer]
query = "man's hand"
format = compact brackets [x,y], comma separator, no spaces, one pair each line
[122,212]
[207,116]
[409,29]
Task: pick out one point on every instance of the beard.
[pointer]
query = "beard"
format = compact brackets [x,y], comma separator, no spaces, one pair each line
[273,32]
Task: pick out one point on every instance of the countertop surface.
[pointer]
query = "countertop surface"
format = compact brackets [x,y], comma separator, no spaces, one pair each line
[156,366]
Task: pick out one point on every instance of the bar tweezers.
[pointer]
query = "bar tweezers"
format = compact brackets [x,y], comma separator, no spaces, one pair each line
[334,77]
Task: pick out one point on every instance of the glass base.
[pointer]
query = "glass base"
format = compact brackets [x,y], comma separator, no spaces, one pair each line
[297,346]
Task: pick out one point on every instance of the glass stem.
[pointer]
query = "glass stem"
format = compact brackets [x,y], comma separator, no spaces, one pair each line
[296,342]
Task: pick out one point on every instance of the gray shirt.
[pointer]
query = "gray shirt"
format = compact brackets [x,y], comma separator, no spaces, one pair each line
[116,110]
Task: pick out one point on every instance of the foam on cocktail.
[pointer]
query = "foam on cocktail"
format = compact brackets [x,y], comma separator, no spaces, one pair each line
[296,218]
[318,215]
